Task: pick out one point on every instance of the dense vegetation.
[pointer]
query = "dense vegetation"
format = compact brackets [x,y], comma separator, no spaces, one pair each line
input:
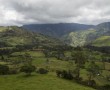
[81,66]
[44,63]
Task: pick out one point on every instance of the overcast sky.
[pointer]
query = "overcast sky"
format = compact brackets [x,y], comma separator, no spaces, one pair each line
[19,12]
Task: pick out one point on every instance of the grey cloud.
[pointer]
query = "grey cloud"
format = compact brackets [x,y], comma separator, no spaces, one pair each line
[54,11]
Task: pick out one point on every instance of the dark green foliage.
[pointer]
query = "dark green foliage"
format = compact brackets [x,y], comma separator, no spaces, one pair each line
[64,74]
[4,69]
[2,57]
[105,87]
[108,78]
[76,72]
[93,71]
[80,58]
[27,59]
[42,71]
[92,83]
[5,51]
[13,71]
[3,44]
[59,73]
[28,69]
[46,53]
[103,49]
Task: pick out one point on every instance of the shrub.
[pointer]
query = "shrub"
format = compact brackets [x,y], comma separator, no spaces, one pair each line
[105,87]
[13,71]
[108,78]
[42,71]
[28,69]
[4,69]
[91,83]
[59,73]
[64,74]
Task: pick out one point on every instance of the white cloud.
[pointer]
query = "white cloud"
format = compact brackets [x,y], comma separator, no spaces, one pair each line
[18,12]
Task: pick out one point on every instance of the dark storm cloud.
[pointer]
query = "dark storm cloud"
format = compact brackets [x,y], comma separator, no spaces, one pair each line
[18,12]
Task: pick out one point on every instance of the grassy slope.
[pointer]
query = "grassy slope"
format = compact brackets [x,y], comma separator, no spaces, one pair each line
[40,61]
[14,35]
[102,41]
[38,82]
[2,28]
[79,38]
[49,81]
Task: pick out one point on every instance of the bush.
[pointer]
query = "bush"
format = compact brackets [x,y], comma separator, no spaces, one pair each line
[4,69]
[42,71]
[28,69]
[108,78]
[105,87]
[64,74]
[59,73]
[13,71]
[92,83]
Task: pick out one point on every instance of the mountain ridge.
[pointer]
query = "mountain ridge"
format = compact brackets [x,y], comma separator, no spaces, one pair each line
[73,33]
[57,30]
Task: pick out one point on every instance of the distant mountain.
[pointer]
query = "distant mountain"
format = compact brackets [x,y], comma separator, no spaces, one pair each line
[13,35]
[102,35]
[90,36]
[57,30]
[72,33]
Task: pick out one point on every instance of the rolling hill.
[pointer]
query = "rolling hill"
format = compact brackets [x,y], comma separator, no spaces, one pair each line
[13,35]
[102,41]
[99,36]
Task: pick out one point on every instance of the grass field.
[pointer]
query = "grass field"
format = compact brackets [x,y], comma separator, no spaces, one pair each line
[38,82]
[49,81]
[102,41]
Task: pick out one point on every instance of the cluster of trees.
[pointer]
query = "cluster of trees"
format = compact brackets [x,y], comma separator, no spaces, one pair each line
[103,49]
[28,69]
[3,44]
[4,70]
[57,51]
[23,65]
[80,58]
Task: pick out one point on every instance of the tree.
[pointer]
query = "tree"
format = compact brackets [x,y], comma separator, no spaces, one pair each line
[93,71]
[60,55]
[80,59]
[2,57]
[47,66]
[27,59]
[4,69]
[28,69]
[42,71]
[103,58]
[46,53]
